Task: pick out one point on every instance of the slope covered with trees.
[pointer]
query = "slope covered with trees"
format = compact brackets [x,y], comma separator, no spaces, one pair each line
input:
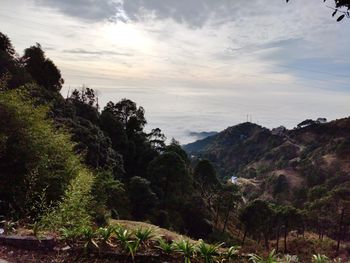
[59,156]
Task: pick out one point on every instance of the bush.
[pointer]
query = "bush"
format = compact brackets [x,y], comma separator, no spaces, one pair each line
[37,161]
[73,210]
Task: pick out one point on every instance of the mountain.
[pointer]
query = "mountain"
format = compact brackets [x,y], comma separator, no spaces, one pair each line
[201,135]
[280,164]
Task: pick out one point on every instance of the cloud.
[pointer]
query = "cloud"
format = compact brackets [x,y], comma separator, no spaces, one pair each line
[91,10]
[96,52]
[193,13]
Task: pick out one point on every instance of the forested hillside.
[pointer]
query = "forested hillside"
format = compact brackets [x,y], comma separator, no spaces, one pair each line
[281,164]
[48,141]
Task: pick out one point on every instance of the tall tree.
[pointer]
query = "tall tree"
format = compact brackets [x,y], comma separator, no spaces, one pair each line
[127,112]
[143,199]
[42,69]
[170,179]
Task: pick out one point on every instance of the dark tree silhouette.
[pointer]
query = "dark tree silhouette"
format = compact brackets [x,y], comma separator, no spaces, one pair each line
[42,69]
[341,7]
[143,199]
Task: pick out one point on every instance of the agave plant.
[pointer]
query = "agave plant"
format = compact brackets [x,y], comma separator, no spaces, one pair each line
[124,236]
[337,260]
[289,259]
[9,226]
[165,247]
[320,259]
[105,233]
[208,252]
[185,248]
[88,235]
[231,253]
[144,235]
[70,235]
[132,246]
[271,258]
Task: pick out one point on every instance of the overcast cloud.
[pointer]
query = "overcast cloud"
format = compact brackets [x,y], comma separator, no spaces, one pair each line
[199,64]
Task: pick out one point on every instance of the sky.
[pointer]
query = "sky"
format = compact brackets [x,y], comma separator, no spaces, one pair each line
[195,65]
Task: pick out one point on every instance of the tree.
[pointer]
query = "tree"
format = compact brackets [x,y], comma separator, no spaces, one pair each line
[256,218]
[175,146]
[157,139]
[127,112]
[289,216]
[113,128]
[6,45]
[11,66]
[170,179]
[230,196]
[37,161]
[341,198]
[340,6]
[206,179]
[42,69]
[143,199]
[280,185]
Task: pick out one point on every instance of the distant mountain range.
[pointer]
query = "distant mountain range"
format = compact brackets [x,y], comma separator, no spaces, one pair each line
[302,158]
[201,135]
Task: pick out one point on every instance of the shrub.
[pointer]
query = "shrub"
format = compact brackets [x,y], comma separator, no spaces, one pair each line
[144,235]
[35,158]
[271,258]
[185,248]
[165,246]
[73,210]
[208,252]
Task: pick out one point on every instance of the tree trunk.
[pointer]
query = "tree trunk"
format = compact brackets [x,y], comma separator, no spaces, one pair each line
[340,227]
[285,238]
[244,235]
[277,239]
[266,239]
[217,213]
[227,214]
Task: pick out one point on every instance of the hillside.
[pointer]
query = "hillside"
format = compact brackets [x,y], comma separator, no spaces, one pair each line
[295,159]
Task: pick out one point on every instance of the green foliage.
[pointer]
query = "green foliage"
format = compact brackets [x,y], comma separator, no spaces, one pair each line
[43,70]
[124,236]
[88,235]
[143,199]
[231,253]
[106,233]
[165,246]
[127,113]
[144,235]
[280,185]
[205,176]
[107,191]
[74,210]
[37,160]
[271,258]
[186,249]
[208,252]
[320,259]
[289,259]
[170,178]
